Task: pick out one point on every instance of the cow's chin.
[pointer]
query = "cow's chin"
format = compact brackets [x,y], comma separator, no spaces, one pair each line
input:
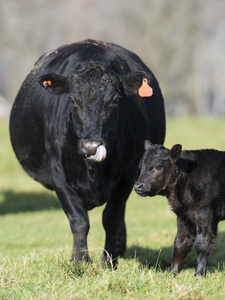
[100,154]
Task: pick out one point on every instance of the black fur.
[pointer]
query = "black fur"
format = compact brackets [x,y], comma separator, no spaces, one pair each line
[76,98]
[194,183]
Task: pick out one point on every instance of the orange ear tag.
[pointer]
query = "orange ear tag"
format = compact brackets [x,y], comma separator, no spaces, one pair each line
[145,90]
[46,83]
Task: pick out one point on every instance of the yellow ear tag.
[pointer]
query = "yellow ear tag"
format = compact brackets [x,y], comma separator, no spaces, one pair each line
[145,90]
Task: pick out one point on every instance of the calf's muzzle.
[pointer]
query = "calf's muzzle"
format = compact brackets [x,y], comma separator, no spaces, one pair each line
[141,189]
[138,186]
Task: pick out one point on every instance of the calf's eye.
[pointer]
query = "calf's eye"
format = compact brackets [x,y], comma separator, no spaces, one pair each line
[159,167]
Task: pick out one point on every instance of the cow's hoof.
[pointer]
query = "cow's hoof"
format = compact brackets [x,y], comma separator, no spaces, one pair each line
[108,262]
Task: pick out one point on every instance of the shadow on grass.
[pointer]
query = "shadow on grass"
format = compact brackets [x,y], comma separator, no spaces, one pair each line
[12,202]
[149,258]
[161,259]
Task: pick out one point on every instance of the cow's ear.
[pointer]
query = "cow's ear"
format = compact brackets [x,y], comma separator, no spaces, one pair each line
[54,83]
[138,82]
[175,151]
[147,145]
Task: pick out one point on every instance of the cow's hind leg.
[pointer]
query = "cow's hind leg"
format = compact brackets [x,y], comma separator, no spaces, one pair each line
[115,229]
[114,225]
[121,235]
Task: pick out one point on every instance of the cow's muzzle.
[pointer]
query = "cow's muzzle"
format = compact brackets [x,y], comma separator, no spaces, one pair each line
[94,150]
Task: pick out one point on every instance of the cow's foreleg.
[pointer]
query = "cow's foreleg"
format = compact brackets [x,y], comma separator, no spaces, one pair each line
[182,245]
[79,224]
[78,218]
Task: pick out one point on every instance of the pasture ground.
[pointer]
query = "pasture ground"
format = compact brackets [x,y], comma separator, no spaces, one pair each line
[36,243]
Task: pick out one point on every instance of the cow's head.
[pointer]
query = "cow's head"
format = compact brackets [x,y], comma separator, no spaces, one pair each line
[158,170]
[95,95]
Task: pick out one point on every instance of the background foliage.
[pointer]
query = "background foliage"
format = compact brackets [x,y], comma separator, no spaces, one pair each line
[183,42]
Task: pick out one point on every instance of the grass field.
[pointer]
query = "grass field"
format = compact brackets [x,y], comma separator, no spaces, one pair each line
[36,243]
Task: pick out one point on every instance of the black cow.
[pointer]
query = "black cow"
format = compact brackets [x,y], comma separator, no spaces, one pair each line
[78,126]
[194,183]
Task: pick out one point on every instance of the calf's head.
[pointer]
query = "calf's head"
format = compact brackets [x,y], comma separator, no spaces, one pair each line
[95,95]
[157,169]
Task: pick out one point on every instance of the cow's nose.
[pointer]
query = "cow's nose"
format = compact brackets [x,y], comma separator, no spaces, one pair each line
[138,187]
[90,147]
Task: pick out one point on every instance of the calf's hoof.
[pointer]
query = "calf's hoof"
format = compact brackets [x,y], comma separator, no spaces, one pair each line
[200,274]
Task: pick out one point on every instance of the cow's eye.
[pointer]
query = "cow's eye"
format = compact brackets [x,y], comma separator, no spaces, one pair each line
[116,100]
[159,167]
[71,99]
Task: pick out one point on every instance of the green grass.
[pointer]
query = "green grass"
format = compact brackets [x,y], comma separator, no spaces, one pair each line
[36,243]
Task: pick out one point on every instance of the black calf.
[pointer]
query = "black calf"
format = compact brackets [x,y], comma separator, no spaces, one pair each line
[194,183]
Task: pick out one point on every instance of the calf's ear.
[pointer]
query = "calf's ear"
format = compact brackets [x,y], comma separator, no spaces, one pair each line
[175,151]
[54,83]
[137,82]
[147,144]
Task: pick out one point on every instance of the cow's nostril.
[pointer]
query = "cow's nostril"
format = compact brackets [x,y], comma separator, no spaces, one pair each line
[138,186]
[90,147]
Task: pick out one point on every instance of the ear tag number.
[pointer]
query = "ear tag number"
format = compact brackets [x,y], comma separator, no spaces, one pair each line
[47,83]
[145,90]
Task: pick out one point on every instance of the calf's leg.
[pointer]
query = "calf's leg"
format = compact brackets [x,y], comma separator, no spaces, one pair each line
[205,240]
[182,245]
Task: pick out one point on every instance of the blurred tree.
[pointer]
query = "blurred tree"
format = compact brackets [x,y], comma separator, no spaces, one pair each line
[183,42]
